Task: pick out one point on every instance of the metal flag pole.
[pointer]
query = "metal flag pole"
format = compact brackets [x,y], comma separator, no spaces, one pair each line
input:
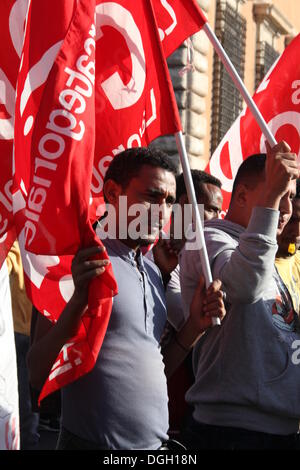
[240,85]
[193,201]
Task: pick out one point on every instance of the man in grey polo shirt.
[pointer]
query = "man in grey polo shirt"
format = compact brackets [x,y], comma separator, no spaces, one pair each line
[122,402]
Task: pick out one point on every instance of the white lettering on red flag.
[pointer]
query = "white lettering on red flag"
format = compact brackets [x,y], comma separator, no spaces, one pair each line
[176,20]
[134,84]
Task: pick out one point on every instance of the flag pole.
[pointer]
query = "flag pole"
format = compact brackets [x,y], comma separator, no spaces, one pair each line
[193,201]
[239,84]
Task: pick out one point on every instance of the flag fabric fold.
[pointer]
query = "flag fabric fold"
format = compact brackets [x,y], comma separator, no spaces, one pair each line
[12,17]
[177,20]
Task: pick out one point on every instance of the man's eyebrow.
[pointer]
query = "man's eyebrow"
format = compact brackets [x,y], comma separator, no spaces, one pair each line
[160,192]
[155,191]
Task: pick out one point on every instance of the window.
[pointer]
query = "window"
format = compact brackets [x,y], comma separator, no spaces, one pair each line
[227,102]
[265,59]
[271,25]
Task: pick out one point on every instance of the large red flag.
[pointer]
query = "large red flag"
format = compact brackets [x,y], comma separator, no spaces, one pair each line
[62,121]
[135,102]
[177,20]
[278,99]
[134,118]
[54,150]
[12,17]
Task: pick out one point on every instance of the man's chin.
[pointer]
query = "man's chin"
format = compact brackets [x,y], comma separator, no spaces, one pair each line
[149,238]
[146,241]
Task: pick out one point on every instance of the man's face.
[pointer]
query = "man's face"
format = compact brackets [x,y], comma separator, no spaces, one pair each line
[291,232]
[153,187]
[286,207]
[212,201]
[251,196]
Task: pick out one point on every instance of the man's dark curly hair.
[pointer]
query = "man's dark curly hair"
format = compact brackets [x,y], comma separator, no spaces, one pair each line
[250,172]
[127,165]
[199,179]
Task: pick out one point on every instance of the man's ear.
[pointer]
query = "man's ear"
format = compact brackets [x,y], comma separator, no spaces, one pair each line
[241,195]
[112,191]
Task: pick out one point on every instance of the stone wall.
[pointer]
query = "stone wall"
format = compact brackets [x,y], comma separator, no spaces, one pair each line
[190,90]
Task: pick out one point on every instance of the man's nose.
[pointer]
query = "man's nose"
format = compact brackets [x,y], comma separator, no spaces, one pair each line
[165,212]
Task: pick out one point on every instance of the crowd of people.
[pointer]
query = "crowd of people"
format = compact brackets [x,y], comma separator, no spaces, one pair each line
[167,376]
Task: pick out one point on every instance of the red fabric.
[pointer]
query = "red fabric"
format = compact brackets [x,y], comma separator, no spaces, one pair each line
[135,102]
[278,99]
[65,128]
[12,15]
[54,151]
[177,20]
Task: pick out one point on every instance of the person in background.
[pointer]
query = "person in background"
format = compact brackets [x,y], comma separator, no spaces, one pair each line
[165,252]
[49,409]
[287,259]
[21,310]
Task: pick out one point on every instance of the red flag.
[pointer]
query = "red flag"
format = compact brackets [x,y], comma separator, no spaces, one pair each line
[61,123]
[135,102]
[12,17]
[177,20]
[54,150]
[278,99]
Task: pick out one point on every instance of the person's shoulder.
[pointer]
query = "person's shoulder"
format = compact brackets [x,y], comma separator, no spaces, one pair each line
[218,231]
[221,227]
[297,258]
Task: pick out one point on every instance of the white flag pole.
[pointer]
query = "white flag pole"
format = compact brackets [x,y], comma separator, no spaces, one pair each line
[240,85]
[196,215]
